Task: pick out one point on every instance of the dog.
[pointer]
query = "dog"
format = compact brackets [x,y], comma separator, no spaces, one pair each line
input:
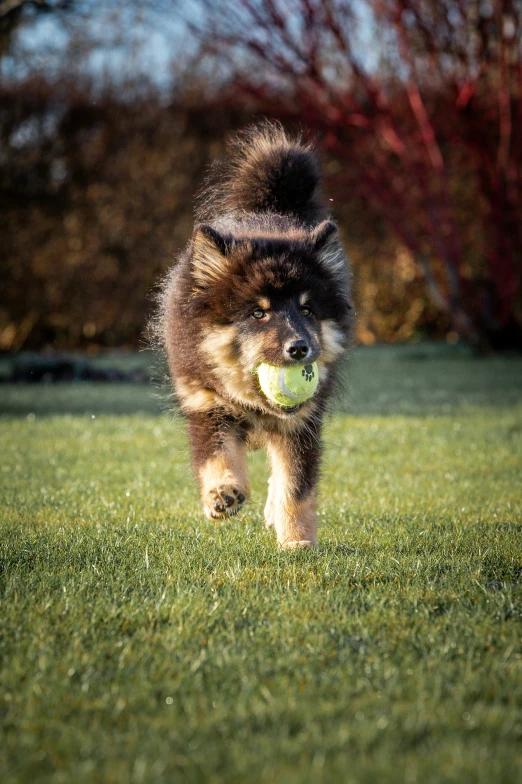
[264,279]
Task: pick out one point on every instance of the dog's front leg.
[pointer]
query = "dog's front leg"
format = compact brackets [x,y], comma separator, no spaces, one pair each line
[291,505]
[219,460]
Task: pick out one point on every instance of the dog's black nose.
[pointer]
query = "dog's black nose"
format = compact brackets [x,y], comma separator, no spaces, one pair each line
[297,349]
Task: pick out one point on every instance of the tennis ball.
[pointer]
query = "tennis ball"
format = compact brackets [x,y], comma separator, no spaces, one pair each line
[288,386]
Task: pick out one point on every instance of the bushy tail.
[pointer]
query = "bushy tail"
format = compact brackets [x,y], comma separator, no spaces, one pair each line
[266,171]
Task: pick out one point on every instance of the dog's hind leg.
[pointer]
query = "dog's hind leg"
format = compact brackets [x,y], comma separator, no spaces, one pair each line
[219,457]
[291,504]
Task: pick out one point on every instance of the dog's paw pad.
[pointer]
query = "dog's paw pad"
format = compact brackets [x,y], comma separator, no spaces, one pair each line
[224,501]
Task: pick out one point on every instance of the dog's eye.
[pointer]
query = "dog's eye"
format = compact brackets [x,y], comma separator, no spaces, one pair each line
[259,313]
[305,310]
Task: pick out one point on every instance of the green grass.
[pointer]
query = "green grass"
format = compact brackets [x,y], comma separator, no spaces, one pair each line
[142,643]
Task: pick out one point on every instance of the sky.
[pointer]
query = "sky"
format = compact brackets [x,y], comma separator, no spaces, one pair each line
[129,40]
[132,39]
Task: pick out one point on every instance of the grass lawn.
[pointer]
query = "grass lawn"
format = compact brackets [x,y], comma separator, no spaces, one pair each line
[141,643]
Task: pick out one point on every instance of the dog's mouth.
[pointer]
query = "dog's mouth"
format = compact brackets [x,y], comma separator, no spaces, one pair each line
[282,410]
[290,410]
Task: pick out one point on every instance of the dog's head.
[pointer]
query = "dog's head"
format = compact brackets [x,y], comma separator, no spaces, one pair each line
[275,298]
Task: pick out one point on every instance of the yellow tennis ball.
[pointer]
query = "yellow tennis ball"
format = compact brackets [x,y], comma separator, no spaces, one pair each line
[288,386]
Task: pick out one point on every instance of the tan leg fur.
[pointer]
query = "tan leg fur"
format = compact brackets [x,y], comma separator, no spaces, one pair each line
[295,520]
[269,506]
[223,481]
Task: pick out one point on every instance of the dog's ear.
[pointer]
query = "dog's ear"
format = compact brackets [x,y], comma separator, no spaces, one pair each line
[324,234]
[209,254]
[326,244]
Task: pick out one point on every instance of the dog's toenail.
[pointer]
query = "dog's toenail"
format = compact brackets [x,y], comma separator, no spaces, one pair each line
[241,498]
[228,499]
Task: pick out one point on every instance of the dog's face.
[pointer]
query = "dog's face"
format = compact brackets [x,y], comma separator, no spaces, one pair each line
[280,330]
[270,299]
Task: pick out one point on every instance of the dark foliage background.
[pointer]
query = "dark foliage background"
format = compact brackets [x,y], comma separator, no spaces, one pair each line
[99,169]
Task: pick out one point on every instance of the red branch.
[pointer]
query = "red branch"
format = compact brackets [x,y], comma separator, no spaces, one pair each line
[411,133]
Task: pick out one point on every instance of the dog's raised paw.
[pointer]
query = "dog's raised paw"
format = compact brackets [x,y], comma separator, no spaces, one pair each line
[224,501]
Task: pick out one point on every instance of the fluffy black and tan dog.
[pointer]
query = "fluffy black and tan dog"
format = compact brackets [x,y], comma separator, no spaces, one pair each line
[263,279]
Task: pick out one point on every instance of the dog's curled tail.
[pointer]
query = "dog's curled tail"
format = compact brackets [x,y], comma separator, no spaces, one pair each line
[266,171]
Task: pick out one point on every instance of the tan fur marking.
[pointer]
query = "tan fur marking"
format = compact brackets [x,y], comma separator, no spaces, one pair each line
[194,397]
[225,468]
[270,507]
[218,343]
[295,521]
[264,303]
[332,340]
[209,264]
[304,297]
[218,346]
[250,348]
[269,233]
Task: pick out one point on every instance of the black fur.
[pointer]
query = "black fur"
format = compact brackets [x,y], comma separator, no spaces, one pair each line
[265,171]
